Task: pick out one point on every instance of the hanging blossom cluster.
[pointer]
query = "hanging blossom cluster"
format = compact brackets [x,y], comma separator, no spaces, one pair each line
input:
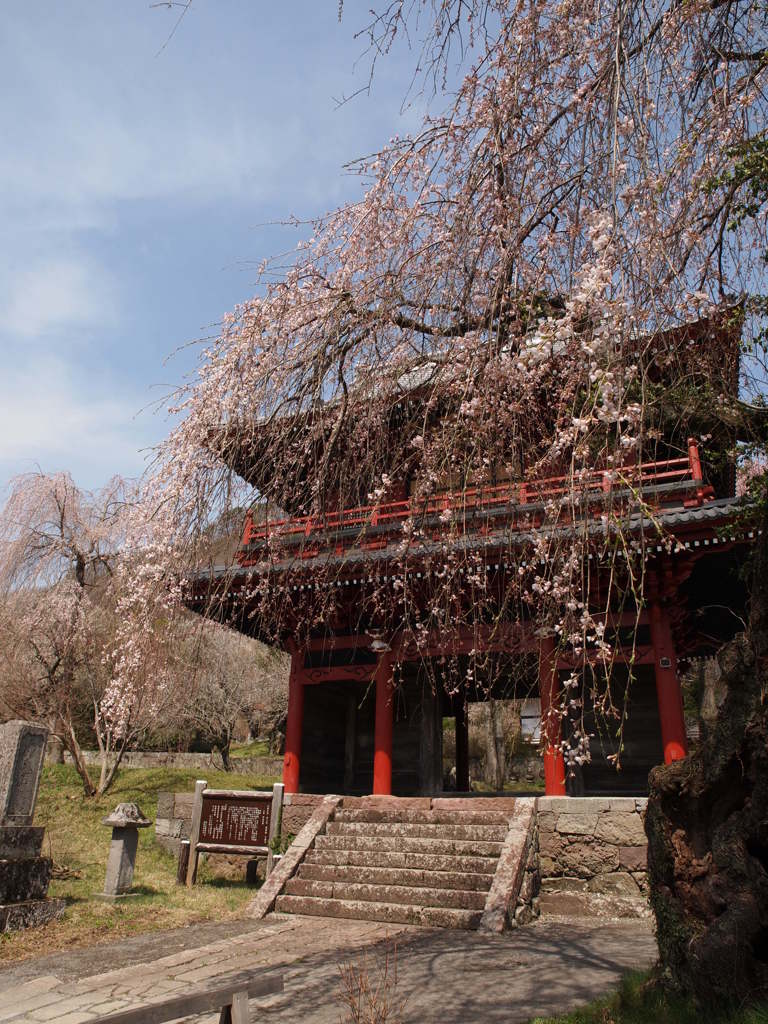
[488,311]
[86,600]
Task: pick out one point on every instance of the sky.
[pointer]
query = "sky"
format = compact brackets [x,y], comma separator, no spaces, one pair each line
[140,181]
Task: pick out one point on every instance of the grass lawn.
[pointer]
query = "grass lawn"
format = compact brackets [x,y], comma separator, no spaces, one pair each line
[78,843]
[640,1001]
[256,748]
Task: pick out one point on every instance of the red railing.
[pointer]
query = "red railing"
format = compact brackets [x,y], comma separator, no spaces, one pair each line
[642,477]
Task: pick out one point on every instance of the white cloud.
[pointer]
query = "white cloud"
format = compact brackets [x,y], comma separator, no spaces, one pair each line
[50,417]
[56,295]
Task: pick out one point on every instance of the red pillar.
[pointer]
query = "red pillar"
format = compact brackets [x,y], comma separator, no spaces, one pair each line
[554,766]
[382,737]
[462,746]
[292,758]
[668,691]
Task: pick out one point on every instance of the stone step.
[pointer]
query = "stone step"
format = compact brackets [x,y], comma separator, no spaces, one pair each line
[450,847]
[581,906]
[416,817]
[396,876]
[417,896]
[24,879]
[379,858]
[394,913]
[30,914]
[418,830]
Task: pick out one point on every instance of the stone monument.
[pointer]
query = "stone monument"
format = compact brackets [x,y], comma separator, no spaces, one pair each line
[24,873]
[126,820]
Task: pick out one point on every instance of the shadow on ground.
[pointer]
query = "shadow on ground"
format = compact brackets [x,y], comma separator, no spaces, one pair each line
[450,977]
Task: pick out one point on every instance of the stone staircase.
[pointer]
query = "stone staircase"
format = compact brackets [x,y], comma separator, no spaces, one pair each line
[410,866]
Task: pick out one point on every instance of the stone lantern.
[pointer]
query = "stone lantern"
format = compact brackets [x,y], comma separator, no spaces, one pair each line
[126,820]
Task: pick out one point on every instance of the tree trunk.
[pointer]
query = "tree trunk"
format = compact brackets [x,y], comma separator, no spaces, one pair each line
[495,755]
[79,761]
[109,771]
[224,749]
[707,825]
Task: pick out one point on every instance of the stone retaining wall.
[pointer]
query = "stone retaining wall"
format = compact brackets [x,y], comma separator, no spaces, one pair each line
[297,810]
[593,845]
[174,819]
[271,767]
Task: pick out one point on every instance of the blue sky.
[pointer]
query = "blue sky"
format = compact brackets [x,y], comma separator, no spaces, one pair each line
[132,187]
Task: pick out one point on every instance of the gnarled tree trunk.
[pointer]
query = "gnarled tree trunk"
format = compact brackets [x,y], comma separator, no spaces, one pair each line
[707,826]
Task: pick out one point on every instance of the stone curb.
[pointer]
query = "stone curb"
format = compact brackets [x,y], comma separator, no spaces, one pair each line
[510,868]
[265,899]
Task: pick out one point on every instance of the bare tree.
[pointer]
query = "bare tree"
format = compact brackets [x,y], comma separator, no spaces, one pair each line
[228,676]
[61,608]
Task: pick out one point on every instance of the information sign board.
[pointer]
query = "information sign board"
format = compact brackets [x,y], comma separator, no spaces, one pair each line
[233,821]
[236,820]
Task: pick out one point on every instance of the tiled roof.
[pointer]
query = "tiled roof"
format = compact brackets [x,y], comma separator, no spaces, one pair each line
[709,514]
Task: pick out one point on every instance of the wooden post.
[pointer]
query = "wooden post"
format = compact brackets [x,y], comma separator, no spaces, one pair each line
[183,862]
[462,746]
[694,464]
[668,693]
[194,836]
[293,728]
[275,819]
[382,757]
[554,766]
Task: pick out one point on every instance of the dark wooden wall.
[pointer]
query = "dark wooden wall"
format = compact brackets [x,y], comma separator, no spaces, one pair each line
[338,739]
[642,747]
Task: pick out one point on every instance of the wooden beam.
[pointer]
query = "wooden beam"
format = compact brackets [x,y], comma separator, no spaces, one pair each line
[194,832]
[217,994]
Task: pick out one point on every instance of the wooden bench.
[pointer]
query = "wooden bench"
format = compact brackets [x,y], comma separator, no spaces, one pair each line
[229,994]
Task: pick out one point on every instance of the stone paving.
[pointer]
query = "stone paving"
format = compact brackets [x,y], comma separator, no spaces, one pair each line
[446,977]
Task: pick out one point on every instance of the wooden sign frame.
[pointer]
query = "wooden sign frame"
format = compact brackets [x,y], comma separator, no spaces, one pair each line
[241,800]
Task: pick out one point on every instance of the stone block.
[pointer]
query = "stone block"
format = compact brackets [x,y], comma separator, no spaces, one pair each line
[20,841]
[30,914]
[586,859]
[182,805]
[587,906]
[547,821]
[621,829]
[548,866]
[563,884]
[295,818]
[306,799]
[573,804]
[617,883]
[633,858]
[22,752]
[22,880]
[172,828]
[623,804]
[577,824]
[551,844]
[165,805]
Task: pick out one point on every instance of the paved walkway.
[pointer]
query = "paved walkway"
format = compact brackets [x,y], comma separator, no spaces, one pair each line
[445,977]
